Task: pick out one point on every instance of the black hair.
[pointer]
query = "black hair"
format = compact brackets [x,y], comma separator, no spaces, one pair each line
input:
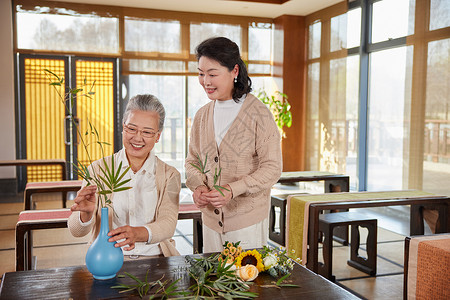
[226,53]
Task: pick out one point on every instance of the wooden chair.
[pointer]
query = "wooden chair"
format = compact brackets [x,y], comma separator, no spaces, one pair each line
[63,186]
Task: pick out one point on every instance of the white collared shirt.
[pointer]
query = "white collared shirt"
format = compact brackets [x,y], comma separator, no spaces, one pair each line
[136,206]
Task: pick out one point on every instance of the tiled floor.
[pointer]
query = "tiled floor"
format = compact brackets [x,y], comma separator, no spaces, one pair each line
[56,247]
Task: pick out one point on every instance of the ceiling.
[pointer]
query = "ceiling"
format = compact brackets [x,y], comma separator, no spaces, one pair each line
[226,7]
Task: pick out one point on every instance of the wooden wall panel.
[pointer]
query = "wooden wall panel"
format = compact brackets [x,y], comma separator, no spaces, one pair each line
[290,66]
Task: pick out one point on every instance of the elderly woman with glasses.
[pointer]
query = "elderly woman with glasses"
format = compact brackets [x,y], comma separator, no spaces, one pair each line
[143,218]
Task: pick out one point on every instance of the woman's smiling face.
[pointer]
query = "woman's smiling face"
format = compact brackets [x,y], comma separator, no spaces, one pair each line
[216,80]
[140,133]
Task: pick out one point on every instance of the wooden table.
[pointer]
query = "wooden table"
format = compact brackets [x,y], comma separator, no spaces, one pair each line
[78,283]
[37,162]
[439,203]
[332,183]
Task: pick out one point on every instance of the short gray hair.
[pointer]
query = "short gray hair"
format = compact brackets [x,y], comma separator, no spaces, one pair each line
[145,102]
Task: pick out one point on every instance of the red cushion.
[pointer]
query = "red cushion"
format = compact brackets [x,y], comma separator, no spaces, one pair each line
[34,215]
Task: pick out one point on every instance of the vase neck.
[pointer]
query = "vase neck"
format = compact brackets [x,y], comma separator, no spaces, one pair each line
[104,228]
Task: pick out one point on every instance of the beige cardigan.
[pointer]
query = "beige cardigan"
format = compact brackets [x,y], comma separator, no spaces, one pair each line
[168,185]
[250,158]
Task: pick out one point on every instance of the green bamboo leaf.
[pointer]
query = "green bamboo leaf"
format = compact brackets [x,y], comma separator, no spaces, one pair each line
[105,180]
[123,174]
[48,71]
[197,167]
[279,281]
[122,189]
[116,175]
[107,171]
[122,183]
[105,192]
[134,277]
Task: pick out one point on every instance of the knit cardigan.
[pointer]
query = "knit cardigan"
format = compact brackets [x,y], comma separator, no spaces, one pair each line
[168,185]
[249,157]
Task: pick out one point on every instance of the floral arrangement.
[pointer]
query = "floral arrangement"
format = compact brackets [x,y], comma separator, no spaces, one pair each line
[110,179]
[227,274]
[248,264]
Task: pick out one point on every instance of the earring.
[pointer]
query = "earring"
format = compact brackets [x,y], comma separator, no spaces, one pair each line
[235,79]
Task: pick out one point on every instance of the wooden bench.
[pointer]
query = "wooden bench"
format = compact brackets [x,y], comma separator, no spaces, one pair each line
[57,218]
[63,186]
[327,223]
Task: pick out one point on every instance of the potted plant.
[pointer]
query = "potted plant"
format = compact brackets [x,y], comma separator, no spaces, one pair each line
[279,106]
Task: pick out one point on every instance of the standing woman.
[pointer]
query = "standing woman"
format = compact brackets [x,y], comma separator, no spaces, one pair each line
[234,133]
[144,217]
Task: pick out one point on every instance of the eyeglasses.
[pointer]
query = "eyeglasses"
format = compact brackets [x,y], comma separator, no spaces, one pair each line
[133,130]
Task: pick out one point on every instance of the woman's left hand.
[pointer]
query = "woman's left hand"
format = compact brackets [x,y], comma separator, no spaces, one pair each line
[130,235]
[216,199]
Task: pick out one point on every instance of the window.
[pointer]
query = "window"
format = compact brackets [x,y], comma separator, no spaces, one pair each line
[397,73]
[161,64]
[160,36]
[39,31]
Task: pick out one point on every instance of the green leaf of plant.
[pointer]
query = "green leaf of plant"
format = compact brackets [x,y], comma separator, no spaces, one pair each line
[122,189]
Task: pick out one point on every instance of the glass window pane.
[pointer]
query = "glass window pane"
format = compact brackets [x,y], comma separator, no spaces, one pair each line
[338,36]
[436,164]
[260,41]
[259,68]
[388,100]
[268,84]
[439,14]
[81,33]
[353,28]
[170,91]
[312,125]
[314,40]
[203,31]
[196,99]
[392,19]
[143,65]
[333,138]
[160,36]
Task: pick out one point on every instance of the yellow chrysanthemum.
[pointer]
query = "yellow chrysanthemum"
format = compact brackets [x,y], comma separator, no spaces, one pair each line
[229,245]
[250,257]
[226,252]
[232,250]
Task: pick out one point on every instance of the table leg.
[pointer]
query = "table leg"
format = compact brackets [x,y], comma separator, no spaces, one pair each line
[313,240]
[198,236]
[338,186]
[20,249]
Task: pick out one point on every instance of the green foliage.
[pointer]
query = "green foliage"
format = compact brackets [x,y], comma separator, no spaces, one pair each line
[110,180]
[213,278]
[280,108]
[159,289]
[201,166]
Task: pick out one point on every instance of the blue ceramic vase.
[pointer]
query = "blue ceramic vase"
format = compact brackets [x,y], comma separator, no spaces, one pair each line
[104,260]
